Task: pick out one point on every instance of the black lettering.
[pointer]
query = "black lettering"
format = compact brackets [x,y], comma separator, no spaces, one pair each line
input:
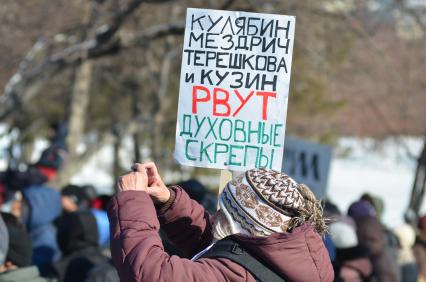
[198,21]
[265,82]
[211,40]
[214,23]
[237,80]
[206,75]
[189,77]
[197,58]
[200,37]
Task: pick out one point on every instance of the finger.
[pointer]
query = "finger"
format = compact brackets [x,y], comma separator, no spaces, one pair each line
[138,167]
[151,168]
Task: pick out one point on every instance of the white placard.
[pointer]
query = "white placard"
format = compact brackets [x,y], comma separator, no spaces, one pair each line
[234,88]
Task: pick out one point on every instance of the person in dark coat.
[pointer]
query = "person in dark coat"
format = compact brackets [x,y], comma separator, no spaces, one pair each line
[78,240]
[282,231]
[53,157]
[17,265]
[371,235]
[103,272]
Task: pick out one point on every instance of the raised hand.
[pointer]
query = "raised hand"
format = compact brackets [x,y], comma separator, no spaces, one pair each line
[133,181]
[156,187]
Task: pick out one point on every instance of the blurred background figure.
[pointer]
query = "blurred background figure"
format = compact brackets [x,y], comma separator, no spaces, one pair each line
[420,249]
[361,209]
[78,240]
[352,262]
[39,209]
[17,265]
[77,198]
[406,236]
[371,236]
[200,193]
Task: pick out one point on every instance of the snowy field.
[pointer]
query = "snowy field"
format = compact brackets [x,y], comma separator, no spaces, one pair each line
[385,169]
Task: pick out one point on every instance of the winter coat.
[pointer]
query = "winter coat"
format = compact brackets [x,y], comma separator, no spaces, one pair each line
[371,235]
[78,240]
[44,206]
[104,272]
[138,253]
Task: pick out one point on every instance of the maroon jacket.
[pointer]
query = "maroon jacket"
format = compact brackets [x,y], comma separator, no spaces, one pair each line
[138,253]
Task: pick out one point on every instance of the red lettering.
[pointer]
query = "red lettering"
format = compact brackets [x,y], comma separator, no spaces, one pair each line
[221,101]
[196,99]
[221,96]
[242,100]
[265,100]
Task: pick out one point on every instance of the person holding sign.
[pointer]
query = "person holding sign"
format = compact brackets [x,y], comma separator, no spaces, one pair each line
[268,228]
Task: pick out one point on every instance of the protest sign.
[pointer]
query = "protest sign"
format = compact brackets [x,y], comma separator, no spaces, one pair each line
[234,88]
[307,163]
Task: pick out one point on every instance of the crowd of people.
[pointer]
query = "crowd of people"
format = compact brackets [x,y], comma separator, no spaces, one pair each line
[362,248]
[268,227]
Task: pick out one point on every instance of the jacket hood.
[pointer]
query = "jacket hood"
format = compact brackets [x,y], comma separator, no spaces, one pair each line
[44,204]
[296,256]
[77,231]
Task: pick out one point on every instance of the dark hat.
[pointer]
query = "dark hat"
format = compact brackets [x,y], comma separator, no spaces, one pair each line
[82,196]
[77,231]
[361,209]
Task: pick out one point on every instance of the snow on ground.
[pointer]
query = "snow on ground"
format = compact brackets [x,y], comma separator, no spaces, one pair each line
[385,170]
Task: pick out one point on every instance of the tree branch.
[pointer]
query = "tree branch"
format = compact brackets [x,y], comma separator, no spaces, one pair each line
[17,90]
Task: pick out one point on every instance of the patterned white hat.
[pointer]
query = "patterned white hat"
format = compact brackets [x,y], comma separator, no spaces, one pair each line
[265,201]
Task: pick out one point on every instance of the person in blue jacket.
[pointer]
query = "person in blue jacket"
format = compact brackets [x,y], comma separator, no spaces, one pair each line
[41,206]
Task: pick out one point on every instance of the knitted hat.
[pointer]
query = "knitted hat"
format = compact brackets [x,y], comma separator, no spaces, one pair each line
[264,201]
[343,235]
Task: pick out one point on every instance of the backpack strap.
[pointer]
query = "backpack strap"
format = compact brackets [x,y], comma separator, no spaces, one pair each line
[230,249]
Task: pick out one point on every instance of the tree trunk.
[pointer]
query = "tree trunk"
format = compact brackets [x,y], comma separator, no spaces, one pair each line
[77,118]
[419,186]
